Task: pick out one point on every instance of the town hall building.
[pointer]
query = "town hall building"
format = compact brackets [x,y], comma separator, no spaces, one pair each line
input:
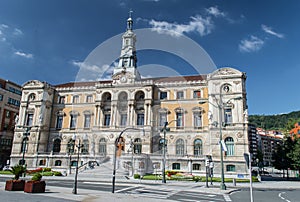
[193,113]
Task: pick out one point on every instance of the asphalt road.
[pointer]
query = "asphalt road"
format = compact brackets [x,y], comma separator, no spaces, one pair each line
[267,195]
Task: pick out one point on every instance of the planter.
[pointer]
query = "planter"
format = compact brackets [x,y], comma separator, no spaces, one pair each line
[14,185]
[35,186]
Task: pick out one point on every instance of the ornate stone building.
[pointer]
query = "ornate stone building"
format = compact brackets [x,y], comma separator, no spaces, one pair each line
[97,112]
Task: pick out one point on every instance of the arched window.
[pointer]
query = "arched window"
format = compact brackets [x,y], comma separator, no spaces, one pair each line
[70,146]
[57,163]
[56,145]
[198,147]
[102,146]
[180,147]
[42,162]
[229,142]
[106,108]
[137,146]
[161,146]
[24,146]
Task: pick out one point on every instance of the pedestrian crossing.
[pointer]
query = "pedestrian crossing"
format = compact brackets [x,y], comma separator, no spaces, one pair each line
[177,195]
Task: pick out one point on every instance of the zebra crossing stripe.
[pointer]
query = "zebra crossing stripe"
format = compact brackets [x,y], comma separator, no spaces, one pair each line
[226,197]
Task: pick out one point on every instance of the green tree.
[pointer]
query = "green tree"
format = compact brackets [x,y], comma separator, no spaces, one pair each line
[295,154]
[282,155]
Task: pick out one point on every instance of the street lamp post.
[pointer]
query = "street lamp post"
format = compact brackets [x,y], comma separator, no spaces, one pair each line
[220,106]
[79,146]
[25,135]
[222,185]
[164,151]
[115,155]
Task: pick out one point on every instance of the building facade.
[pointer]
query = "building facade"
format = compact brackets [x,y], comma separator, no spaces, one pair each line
[269,140]
[10,96]
[196,108]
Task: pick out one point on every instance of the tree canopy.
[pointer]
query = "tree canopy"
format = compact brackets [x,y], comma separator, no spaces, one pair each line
[282,122]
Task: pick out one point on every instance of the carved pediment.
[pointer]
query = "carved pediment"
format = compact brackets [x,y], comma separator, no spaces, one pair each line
[33,83]
[227,71]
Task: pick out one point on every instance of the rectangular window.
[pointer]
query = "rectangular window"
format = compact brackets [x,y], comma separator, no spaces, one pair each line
[75,99]
[59,121]
[61,99]
[179,118]
[179,95]
[89,98]
[140,119]
[87,121]
[16,91]
[197,94]
[196,166]
[1,97]
[228,116]
[73,121]
[29,121]
[230,168]
[163,95]
[123,121]
[13,102]
[197,120]
[106,119]
[162,119]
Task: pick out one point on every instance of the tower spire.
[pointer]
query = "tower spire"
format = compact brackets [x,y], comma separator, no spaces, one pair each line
[127,66]
[129,21]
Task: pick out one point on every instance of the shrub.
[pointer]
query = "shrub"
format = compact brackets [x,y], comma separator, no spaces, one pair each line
[136,176]
[196,178]
[18,170]
[36,177]
[46,169]
[56,173]
[47,173]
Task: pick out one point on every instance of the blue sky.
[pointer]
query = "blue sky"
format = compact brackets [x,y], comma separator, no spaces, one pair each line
[49,40]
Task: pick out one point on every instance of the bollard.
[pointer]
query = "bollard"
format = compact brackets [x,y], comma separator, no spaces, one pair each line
[234,182]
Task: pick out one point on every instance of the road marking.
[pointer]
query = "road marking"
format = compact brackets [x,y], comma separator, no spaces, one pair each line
[226,197]
[125,189]
[280,196]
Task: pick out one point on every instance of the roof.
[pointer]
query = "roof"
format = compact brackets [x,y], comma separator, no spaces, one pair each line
[156,79]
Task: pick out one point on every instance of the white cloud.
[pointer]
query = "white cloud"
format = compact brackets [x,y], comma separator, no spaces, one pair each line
[215,12]
[270,31]
[251,45]
[92,68]
[89,72]
[17,32]
[25,55]
[3,26]
[198,24]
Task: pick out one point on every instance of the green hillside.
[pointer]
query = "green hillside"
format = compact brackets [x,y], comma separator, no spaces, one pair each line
[281,122]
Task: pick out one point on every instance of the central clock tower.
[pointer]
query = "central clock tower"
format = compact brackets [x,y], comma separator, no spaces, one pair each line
[126,71]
